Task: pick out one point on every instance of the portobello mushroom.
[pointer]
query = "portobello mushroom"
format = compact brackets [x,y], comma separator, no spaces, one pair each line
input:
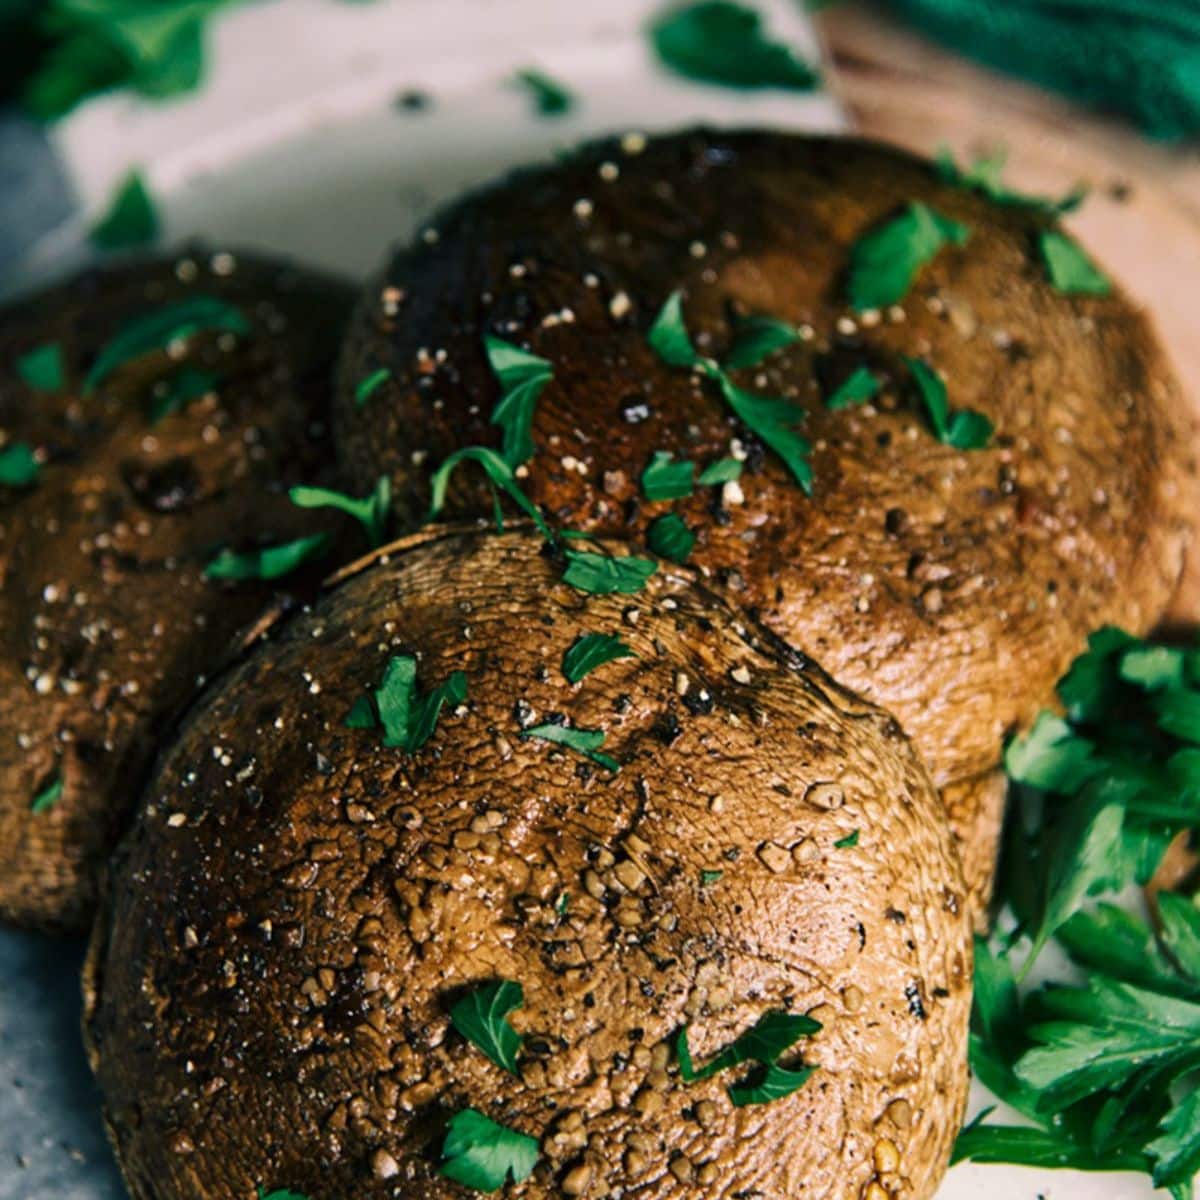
[150,417]
[356,905]
[950,586]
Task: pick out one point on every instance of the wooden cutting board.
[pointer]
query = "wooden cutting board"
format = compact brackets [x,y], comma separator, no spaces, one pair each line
[1142,218]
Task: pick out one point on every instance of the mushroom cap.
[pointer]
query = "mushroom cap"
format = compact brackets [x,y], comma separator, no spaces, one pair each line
[951,587]
[106,618]
[297,905]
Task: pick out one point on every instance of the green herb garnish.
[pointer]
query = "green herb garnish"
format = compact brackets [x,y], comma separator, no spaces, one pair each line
[668,336]
[49,796]
[983,174]
[19,467]
[179,390]
[708,878]
[160,327]
[550,98]
[481,1154]
[666,479]
[670,538]
[583,741]
[601,575]
[131,219]
[772,1036]
[590,651]
[500,475]
[715,41]
[848,842]
[407,717]
[371,511]
[522,377]
[724,470]
[962,428]
[1070,270]
[481,1017]
[885,261]
[42,368]
[283,1194]
[756,339]
[860,385]
[370,385]
[269,562]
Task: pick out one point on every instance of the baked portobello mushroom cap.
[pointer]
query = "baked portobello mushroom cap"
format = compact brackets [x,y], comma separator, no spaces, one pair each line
[951,587]
[152,415]
[298,906]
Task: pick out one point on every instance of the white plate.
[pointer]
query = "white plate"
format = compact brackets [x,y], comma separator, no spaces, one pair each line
[296,146]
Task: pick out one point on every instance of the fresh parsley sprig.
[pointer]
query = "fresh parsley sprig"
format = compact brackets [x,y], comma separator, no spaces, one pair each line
[372,511]
[481,1153]
[407,717]
[19,467]
[522,376]
[481,1016]
[583,741]
[590,651]
[267,562]
[963,428]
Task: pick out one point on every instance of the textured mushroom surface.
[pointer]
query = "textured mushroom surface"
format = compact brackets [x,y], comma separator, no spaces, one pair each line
[150,458]
[951,587]
[298,906]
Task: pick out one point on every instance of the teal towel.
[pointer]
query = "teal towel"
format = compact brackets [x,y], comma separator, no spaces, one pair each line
[1140,58]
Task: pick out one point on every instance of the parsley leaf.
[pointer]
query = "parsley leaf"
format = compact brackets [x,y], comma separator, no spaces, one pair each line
[481,1154]
[860,385]
[668,336]
[131,219]
[583,741]
[175,393]
[983,175]
[19,468]
[481,1017]
[757,338]
[961,428]
[500,475]
[600,575]
[848,842]
[716,41]
[49,796]
[369,385]
[268,562]
[590,651]
[407,717]
[42,368]
[522,377]
[885,260]
[707,879]
[670,538]
[775,1083]
[284,1194]
[665,479]
[724,470]
[1176,1153]
[371,511]
[550,98]
[160,327]
[1070,270]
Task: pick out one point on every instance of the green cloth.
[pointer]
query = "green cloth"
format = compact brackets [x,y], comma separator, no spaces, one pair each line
[1140,58]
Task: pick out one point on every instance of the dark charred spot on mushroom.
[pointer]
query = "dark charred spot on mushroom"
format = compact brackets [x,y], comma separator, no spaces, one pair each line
[168,487]
[916,1006]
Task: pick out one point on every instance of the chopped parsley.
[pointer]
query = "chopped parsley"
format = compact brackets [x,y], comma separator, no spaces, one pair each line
[859,386]
[602,575]
[666,479]
[771,420]
[407,717]
[670,538]
[583,741]
[708,878]
[160,327]
[522,377]
[963,428]
[724,470]
[481,1016]
[19,467]
[550,98]
[848,842]
[500,475]
[481,1154]
[764,1043]
[370,385]
[590,651]
[1070,270]
[42,368]
[176,392]
[282,1194]
[49,796]
[372,511]
[756,339]
[715,41]
[267,562]
[885,260]
[983,175]
[131,219]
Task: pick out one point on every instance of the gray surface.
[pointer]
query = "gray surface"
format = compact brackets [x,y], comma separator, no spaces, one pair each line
[35,196]
[52,1144]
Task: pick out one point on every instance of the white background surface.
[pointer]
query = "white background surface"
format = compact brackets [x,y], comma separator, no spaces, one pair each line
[295,146]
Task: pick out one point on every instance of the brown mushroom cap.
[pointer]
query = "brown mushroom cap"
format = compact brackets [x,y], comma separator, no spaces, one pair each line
[952,588]
[106,619]
[298,904]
